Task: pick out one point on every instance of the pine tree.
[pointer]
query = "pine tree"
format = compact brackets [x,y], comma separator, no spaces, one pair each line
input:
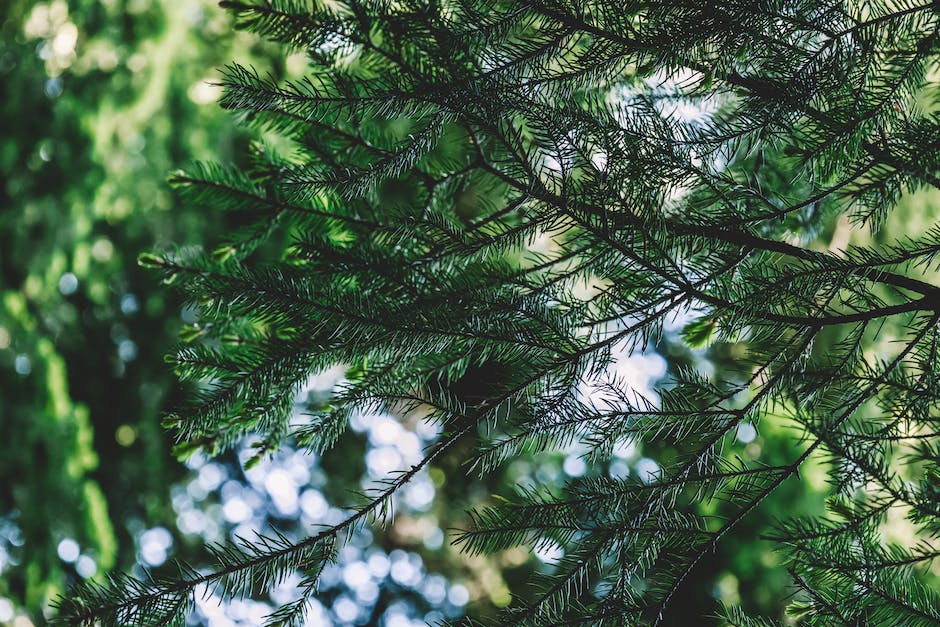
[475,202]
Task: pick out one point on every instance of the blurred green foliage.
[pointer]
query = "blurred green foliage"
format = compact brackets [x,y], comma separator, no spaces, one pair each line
[98,101]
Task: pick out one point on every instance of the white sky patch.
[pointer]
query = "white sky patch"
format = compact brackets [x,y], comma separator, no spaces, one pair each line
[549,552]
[410,447]
[211,476]
[647,469]
[435,539]
[367,593]
[378,564]
[746,432]
[362,421]
[434,589]
[680,109]
[382,461]
[356,574]
[551,163]
[427,430]
[68,283]
[155,545]
[86,567]
[283,491]
[192,522]
[236,510]
[249,611]
[407,568]
[625,449]
[22,365]
[196,460]
[321,382]
[678,318]
[458,595]
[665,91]
[384,430]
[419,493]
[317,614]
[6,610]
[637,372]
[332,43]
[298,466]
[619,469]
[345,609]
[68,550]
[313,505]
[574,466]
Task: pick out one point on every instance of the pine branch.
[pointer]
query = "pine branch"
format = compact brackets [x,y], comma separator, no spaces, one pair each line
[517,191]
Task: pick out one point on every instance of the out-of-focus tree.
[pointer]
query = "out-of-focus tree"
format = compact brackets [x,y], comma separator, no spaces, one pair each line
[98,101]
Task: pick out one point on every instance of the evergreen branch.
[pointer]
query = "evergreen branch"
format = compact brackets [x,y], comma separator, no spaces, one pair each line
[793,467]
[122,598]
[489,200]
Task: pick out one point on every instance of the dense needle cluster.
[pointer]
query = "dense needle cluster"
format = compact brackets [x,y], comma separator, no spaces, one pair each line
[521,187]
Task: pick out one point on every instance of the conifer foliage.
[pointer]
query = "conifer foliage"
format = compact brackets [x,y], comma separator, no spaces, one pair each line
[521,187]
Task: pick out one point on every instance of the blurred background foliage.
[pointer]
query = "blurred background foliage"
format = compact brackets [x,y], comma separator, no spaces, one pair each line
[99,100]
